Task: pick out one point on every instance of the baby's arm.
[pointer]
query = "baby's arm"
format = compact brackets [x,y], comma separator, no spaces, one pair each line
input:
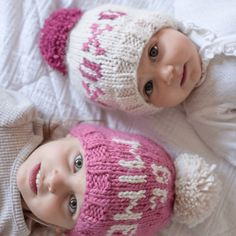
[216,126]
[15,109]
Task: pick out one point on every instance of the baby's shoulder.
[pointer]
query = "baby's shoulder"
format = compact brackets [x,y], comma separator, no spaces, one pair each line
[15,109]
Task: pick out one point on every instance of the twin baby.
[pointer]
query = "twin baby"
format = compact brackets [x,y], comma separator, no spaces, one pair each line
[94,181]
[142,62]
[98,181]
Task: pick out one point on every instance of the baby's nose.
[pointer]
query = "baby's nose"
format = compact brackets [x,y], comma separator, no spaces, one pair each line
[167,74]
[55,182]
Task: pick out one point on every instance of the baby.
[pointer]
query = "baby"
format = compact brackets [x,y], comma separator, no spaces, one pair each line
[95,181]
[141,62]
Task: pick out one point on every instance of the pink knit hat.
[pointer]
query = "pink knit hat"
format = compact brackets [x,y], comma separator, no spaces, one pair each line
[130,185]
[100,49]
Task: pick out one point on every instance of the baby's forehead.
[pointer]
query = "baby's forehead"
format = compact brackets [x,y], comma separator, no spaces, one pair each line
[57,145]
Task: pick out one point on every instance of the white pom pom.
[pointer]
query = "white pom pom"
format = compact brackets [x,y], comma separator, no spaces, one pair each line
[197,189]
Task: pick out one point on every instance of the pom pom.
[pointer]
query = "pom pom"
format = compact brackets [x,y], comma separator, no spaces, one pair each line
[54,35]
[197,190]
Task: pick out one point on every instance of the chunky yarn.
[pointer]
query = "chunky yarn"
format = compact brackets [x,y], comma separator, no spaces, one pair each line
[197,189]
[54,36]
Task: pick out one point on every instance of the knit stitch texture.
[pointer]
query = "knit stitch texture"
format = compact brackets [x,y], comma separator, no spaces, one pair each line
[130,184]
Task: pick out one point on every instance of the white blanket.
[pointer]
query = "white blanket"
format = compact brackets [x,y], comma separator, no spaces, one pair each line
[23,69]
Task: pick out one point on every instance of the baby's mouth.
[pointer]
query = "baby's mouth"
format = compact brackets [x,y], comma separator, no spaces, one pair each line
[34,178]
[183,79]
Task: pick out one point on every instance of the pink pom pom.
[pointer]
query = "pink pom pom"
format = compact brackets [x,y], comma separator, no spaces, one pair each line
[54,35]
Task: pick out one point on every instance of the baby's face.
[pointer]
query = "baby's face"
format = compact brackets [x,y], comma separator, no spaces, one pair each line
[52,182]
[169,68]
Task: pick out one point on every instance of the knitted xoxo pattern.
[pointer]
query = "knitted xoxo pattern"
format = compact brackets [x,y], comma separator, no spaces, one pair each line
[90,69]
[129,184]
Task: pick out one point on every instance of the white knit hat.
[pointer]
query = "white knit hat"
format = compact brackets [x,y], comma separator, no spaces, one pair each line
[101,49]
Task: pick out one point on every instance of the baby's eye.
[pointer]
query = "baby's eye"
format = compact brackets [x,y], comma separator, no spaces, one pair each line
[153,52]
[148,88]
[78,162]
[72,205]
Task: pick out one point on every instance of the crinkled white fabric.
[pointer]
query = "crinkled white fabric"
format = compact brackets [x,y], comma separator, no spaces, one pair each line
[23,69]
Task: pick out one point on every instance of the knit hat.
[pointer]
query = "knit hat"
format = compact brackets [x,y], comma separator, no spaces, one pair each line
[101,49]
[132,186]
